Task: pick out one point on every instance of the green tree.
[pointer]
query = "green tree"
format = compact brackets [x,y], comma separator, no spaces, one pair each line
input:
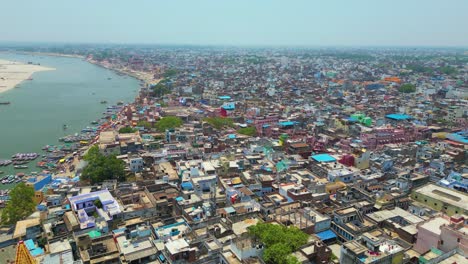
[280,242]
[170,73]
[248,131]
[20,206]
[219,122]
[448,70]
[161,88]
[145,124]
[277,253]
[127,129]
[101,167]
[97,203]
[168,122]
[407,88]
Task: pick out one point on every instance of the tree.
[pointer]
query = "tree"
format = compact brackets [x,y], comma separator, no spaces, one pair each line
[280,242]
[145,124]
[248,131]
[20,206]
[127,129]
[219,122]
[170,73]
[161,88]
[448,70]
[407,88]
[97,203]
[168,122]
[101,167]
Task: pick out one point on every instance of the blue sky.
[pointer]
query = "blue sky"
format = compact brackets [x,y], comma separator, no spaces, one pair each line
[238,22]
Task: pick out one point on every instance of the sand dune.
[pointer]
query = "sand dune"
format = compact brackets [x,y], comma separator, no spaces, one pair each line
[13,73]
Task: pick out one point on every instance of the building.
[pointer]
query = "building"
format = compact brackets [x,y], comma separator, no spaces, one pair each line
[442,199]
[371,249]
[100,202]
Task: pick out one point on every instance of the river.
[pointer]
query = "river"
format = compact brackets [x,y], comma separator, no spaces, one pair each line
[70,95]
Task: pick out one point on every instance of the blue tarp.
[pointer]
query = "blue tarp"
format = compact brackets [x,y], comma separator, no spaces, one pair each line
[398,116]
[232,136]
[179,199]
[326,235]
[29,244]
[225,97]
[187,186]
[287,123]
[323,158]
[36,252]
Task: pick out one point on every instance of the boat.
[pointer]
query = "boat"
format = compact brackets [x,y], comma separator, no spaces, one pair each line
[20,166]
[109,78]
[120,103]
[5,103]
[1,172]
[103,102]
[65,127]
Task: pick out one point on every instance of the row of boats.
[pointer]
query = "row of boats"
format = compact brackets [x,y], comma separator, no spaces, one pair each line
[9,179]
[24,156]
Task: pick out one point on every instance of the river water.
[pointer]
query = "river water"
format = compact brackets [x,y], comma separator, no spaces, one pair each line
[70,95]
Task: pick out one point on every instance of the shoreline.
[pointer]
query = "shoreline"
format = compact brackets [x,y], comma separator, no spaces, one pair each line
[13,73]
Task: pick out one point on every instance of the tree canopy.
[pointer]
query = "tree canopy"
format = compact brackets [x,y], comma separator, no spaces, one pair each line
[101,167]
[248,131]
[280,241]
[219,122]
[161,88]
[448,70]
[145,124]
[21,204]
[168,122]
[169,73]
[407,88]
[127,129]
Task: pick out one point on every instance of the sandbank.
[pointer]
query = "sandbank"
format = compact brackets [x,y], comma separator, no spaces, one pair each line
[12,73]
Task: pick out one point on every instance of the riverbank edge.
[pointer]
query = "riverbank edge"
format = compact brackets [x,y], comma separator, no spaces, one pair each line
[84,58]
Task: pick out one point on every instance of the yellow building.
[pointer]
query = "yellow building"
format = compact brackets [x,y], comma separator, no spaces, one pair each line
[442,199]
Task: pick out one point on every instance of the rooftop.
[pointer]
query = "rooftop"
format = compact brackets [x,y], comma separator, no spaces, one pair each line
[445,195]
[323,158]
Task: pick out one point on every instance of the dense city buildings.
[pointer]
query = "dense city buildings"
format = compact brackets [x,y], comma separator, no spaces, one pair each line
[362,150]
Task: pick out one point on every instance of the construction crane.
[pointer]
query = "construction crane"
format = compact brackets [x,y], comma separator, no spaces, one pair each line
[22,254]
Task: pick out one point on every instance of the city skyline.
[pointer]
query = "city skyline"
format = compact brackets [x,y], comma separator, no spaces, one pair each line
[240,23]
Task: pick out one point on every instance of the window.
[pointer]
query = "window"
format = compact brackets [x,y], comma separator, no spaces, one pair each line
[458,239]
[441,242]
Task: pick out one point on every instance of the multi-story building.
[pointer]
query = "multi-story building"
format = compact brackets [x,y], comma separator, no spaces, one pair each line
[442,199]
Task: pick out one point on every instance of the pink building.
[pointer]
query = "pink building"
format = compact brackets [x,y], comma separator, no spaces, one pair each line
[380,137]
[442,232]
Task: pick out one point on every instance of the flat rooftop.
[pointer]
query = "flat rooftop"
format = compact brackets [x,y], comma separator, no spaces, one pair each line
[445,195]
[434,224]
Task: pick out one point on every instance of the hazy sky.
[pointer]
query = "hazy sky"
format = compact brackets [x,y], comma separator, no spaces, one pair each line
[238,22]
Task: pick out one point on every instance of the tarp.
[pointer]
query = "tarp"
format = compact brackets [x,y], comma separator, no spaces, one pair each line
[326,235]
[187,186]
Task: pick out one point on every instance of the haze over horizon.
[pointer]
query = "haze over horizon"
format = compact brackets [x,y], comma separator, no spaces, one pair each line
[241,22]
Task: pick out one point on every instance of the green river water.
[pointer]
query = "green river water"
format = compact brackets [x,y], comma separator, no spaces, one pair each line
[70,95]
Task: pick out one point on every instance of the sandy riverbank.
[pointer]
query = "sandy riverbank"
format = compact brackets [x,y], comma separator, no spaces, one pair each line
[12,73]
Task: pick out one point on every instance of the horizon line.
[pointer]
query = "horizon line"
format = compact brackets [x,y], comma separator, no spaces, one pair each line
[6,42]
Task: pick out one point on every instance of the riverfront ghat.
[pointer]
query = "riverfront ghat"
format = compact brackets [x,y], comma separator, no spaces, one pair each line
[13,73]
